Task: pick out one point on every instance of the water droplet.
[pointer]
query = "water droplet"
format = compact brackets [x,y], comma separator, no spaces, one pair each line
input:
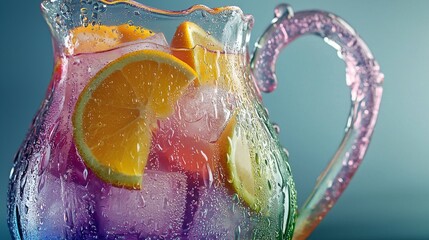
[237,232]
[209,178]
[131,23]
[58,20]
[283,10]
[276,128]
[166,204]
[44,162]
[235,198]
[23,182]
[102,8]
[12,170]
[255,234]
[64,9]
[266,111]
[76,62]
[286,152]
[42,182]
[65,218]
[142,201]
[84,11]
[85,21]
[96,6]
[85,174]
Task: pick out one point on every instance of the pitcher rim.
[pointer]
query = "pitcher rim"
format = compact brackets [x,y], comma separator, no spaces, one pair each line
[197,7]
[193,8]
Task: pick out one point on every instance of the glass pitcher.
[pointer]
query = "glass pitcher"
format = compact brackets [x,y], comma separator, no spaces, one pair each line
[153,126]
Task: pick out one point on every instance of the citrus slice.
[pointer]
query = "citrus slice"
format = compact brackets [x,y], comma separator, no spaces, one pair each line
[240,167]
[117,111]
[133,33]
[101,37]
[204,54]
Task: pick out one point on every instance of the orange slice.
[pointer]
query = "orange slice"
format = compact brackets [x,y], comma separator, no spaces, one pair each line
[203,53]
[101,37]
[117,111]
[133,33]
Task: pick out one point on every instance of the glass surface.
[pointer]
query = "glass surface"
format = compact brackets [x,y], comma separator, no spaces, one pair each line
[213,167]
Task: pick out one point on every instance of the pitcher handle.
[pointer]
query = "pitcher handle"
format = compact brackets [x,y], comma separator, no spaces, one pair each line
[364,78]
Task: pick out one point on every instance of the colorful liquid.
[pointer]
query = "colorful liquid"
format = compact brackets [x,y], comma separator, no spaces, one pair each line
[186,192]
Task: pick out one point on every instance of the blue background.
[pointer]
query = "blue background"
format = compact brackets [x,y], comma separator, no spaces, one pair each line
[389,196]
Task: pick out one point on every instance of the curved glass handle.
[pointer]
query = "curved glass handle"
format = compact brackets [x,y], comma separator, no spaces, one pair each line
[364,78]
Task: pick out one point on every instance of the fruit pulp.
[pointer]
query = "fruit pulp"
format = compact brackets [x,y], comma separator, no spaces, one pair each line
[189,187]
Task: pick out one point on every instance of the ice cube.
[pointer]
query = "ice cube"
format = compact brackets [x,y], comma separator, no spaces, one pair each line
[219,215]
[58,209]
[155,210]
[186,141]
[158,39]
[172,151]
[84,66]
[204,112]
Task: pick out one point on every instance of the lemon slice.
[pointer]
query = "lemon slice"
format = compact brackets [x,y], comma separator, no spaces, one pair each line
[203,53]
[118,109]
[101,37]
[240,165]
